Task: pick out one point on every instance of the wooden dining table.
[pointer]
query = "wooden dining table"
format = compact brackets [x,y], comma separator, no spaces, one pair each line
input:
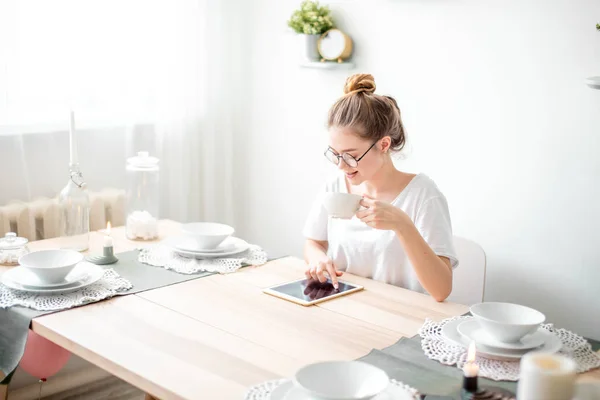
[216,336]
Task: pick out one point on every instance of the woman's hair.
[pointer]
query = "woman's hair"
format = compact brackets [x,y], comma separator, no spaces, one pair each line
[371,115]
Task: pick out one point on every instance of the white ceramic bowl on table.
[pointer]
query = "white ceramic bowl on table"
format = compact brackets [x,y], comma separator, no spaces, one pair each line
[507,322]
[51,266]
[341,380]
[208,235]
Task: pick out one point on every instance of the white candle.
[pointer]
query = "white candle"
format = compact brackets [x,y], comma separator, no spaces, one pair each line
[108,240]
[546,376]
[470,369]
[72,140]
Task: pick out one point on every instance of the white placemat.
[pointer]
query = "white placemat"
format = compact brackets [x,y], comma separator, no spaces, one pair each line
[263,390]
[110,284]
[437,348]
[163,256]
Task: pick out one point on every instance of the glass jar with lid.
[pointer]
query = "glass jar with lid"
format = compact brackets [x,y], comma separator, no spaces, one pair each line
[11,248]
[142,196]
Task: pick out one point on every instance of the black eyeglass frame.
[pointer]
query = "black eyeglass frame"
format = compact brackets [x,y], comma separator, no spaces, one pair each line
[338,156]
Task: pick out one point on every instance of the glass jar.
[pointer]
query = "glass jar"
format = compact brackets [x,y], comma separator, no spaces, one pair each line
[11,248]
[142,196]
[74,205]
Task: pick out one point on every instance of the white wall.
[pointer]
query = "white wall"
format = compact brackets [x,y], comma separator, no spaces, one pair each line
[496,111]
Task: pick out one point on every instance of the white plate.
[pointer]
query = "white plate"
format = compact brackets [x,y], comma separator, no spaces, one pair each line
[240,246]
[552,344]
[473,331]
[92,274]
[287,391]
[185,243]
[25,277]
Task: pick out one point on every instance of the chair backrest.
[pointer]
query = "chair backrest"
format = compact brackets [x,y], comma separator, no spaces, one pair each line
[468,285]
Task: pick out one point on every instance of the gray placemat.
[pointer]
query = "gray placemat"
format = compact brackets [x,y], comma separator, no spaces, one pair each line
[406,362]
[15,321]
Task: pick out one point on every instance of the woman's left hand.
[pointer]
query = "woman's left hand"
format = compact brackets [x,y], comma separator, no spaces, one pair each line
[381,215]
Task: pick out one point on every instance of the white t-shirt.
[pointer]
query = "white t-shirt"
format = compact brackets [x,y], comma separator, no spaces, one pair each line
[377,254]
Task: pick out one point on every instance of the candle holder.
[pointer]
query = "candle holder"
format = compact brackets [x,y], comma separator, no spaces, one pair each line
[107,257]
[485,393]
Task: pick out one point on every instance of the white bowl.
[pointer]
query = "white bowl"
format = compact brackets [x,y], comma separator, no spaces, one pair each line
[208,235]
[51,266]
[507,322]
[341,205]
[341,380]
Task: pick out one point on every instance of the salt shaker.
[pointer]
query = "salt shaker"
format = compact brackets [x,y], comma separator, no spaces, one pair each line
[11,248]
[142,197]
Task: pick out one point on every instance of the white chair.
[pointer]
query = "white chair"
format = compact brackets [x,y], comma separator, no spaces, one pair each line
[468,284]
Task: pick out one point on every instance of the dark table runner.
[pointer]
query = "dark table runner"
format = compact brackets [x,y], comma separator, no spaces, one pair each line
[406,362]
[15,321]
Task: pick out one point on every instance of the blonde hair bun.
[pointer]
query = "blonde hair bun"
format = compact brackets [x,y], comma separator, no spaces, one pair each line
[360,83]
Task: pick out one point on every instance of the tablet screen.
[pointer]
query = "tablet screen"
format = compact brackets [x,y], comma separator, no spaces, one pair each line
[311,290]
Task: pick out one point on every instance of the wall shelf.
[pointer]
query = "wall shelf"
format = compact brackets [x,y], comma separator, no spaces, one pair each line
[593,82]
[327,65]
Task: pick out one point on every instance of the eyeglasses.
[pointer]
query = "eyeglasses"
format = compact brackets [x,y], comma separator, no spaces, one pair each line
[348,159]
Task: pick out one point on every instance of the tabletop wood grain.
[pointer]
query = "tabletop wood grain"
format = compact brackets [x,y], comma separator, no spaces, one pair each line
[215,336]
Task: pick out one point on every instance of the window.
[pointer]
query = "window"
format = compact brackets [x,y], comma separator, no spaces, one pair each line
[109,60]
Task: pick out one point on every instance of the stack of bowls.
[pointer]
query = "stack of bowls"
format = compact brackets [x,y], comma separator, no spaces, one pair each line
[50,272]
[503,331]
[507,322]
[207,240]
[207,235]
[340,380]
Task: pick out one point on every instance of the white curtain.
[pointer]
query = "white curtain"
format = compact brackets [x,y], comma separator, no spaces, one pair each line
[156,75]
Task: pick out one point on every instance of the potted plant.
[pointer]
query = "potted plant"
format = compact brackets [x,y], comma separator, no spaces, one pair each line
[311,20]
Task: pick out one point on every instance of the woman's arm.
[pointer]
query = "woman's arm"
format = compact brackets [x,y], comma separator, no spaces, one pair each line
[434,272]
[315,251]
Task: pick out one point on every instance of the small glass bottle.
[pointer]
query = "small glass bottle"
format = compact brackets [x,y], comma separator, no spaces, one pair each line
[74,205]
[142,197]
[11,248]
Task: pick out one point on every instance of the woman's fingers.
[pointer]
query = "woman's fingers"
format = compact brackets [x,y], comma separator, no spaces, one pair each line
[367,202]
[360,214]
[332,274]
[323,269]
[307,273]
[312,273]
[321,272]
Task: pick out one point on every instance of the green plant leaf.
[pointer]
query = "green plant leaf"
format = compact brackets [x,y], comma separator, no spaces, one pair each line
[311,18]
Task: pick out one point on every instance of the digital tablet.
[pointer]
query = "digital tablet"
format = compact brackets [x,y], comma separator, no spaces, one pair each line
[309,291]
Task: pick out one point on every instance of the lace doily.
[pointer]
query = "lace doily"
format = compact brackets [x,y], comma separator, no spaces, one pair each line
[163,256]
[263,391]
[110,284]
[437,348]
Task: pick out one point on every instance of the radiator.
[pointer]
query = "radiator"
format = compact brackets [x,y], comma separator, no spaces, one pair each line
[39,219]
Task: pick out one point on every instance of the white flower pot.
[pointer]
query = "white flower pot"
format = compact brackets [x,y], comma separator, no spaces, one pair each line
[311,50]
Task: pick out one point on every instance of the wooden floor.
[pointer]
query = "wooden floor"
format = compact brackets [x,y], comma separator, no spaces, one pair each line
[109,388]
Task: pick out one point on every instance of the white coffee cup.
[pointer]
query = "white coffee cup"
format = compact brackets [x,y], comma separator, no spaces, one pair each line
[546,376]
[341,205]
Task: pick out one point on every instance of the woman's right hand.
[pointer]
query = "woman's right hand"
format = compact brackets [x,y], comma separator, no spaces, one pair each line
[319,270]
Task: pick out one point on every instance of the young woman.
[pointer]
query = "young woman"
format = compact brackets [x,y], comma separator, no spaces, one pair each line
[402,234]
